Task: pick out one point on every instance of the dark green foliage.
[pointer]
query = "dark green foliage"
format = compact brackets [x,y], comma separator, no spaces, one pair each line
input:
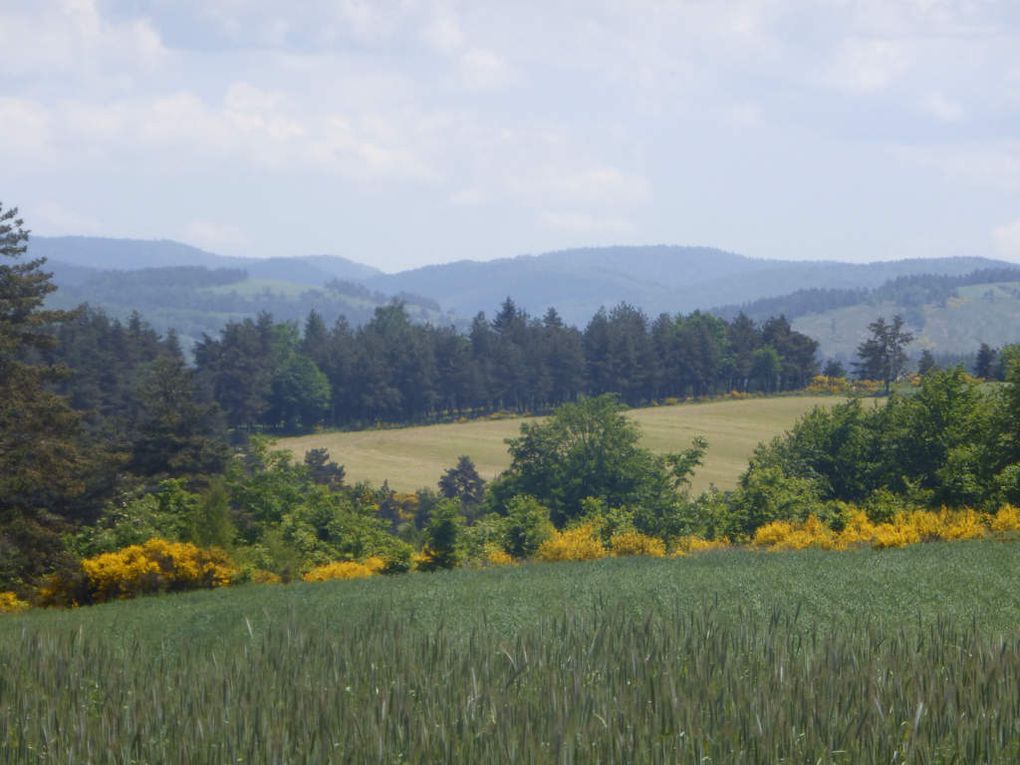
[883,356]
[589,449]
[322,469]
[926,363]
[526,526]
[444,537]
[42,469]
[984,364]
[391,369]
[834,368]
[463,483]
[950,443]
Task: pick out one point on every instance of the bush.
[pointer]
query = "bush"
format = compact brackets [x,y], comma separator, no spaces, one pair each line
[527,526]
[153,567]
[578,543]
[635,543]
[11,603]
[346,569]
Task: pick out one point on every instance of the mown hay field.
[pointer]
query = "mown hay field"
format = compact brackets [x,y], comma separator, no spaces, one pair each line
[908,655]
[413,458]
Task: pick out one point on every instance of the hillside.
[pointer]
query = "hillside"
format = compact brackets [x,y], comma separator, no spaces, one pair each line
[975,314]
[106,254]
[176,286]
[654,278]
[413,458]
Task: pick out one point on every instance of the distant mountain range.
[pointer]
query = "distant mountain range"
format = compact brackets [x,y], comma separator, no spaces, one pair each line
[76,257]
[576,282]
[654,278]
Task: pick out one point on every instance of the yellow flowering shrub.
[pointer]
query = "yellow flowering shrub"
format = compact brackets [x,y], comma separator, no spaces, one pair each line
[824,384]
[635,543]
[578,543]
[496,556]
[782,535]
[906,528]
[11,603]
[695,544]
[345,569]
[155,566]
[1006,521]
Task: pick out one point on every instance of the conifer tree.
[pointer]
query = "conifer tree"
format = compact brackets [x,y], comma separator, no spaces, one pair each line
[39,459]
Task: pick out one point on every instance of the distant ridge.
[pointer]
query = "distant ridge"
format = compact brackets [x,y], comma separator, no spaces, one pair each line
[106,254]
[658,278]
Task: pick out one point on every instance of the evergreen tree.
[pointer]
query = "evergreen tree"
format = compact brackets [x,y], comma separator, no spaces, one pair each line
[40,463]
[463,483]
[984,364]
[926,363]
[883,356]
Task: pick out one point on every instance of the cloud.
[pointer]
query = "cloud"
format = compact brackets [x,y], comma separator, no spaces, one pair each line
[1006,239]
[482,69]
[216,236]
[56,220]
[990,165]
[942,108]
[72,39]
[585,223]
[869,65]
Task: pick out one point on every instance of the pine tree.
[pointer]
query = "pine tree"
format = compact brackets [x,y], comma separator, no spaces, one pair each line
[985,362]
[883,355]
[40,465]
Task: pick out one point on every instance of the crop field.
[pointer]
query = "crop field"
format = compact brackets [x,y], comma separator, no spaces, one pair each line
[908,655]
[412,458]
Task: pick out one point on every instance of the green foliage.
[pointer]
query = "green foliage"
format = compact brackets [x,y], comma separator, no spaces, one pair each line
[526,526]
[463,483]
[444,537]
[883,356]
[586,449]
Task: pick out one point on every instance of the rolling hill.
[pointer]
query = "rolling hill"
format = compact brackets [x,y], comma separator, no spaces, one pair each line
[654,278]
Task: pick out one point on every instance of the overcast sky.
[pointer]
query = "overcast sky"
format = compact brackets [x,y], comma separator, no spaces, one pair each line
[405,133]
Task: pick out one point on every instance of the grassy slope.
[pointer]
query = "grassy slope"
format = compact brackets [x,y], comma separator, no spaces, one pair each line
[738,656]
[987,313]
[411,458]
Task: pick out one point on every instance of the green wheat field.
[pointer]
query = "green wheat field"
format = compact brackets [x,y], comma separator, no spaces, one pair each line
[899,656]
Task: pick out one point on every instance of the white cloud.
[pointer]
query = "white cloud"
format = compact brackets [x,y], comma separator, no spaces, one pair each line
[990,165]
[585,223]
[216,236]
[71,38]
[54,219]
[1006,239]
[937,105]
[869,65]
[482,69]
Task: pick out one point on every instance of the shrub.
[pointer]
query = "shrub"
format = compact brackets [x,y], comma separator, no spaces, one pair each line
[497,557]
[149,568]
[695,544]
[527,526]
[1006,521]
[345,569]
[578,543]
[635,543]
[11,603]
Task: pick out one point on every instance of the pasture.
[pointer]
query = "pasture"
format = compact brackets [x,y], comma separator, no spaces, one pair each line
[415,457]
[908,655]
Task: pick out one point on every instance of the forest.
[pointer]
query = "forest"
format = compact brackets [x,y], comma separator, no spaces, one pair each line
[126,469]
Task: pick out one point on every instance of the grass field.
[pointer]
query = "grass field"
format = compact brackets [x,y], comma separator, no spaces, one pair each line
[733,657]
[412,458]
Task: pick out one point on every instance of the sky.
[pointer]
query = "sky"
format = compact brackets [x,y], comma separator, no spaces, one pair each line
[406,132]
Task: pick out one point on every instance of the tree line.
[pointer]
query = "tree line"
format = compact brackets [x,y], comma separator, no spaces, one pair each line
[269,375]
